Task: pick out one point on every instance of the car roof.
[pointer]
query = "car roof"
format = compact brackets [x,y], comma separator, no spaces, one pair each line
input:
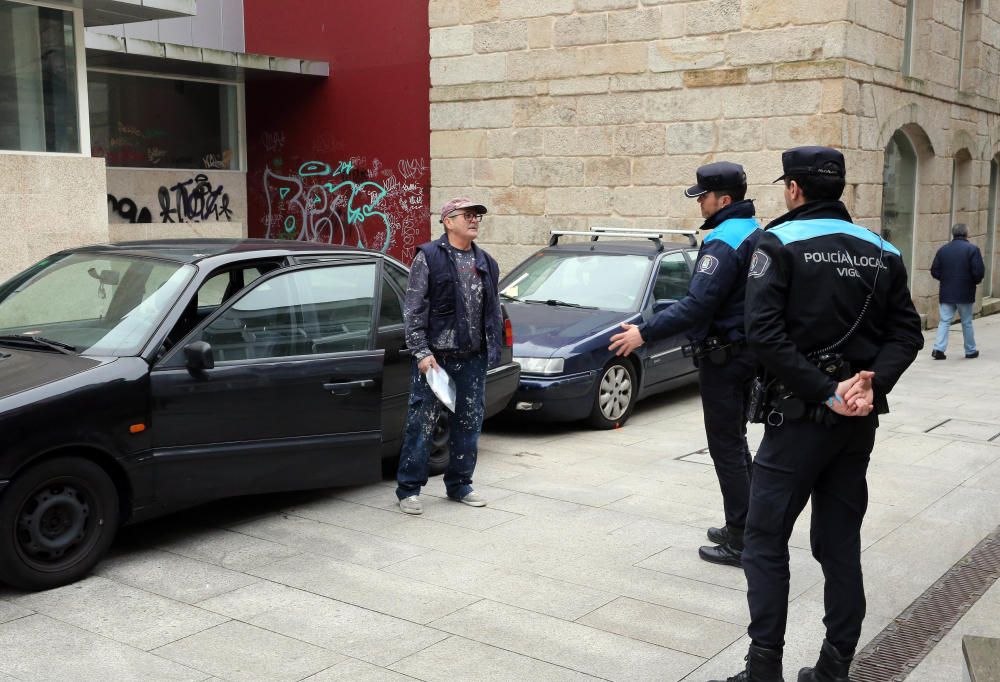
[641,247]
[196,250]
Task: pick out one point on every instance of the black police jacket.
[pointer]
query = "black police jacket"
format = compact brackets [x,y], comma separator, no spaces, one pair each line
[959,266]
[807,285]
[714,302]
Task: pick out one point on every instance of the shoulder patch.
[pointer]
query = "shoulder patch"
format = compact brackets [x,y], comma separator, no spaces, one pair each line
[707,265]
[759,264]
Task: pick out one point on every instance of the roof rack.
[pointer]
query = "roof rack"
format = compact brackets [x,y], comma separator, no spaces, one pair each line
[690,234]
[595,233]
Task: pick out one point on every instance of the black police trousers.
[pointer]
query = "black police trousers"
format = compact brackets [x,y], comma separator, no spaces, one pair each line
[796,461]
[724,393]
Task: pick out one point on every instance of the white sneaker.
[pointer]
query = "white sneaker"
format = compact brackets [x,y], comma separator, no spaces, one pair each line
[473,499]
[412,505]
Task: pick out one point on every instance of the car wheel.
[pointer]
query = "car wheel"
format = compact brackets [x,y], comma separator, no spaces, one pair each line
[440,453]
[614,396]
[57,520]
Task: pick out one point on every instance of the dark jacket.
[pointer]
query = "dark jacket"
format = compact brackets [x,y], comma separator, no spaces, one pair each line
[959,266]
[713,305]
[435,315]
[808,281]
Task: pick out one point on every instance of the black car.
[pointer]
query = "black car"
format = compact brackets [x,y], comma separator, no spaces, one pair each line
[567,300]
[141,378]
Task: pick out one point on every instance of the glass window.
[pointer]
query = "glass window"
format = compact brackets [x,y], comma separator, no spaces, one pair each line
[991,230]
[908,38]
[607,281]
[962,204]
[390,310]
[307,312]
[38,103]
[672,278]
[899,186]
[221,286]
[144,122]
[100,305]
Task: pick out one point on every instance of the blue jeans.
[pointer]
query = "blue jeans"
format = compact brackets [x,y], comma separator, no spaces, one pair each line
[463,439]
[947,315]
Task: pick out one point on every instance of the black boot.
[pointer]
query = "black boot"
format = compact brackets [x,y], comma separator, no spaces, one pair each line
[831,666]
[719,536]
[729,553]
[763,665]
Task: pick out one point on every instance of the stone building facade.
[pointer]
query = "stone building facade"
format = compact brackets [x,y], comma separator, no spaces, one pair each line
[579,113]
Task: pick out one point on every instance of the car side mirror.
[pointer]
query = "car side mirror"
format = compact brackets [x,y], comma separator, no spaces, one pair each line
[663,304]
[199,356]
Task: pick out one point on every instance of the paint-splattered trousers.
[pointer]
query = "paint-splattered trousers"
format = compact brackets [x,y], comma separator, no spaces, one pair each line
[469,374]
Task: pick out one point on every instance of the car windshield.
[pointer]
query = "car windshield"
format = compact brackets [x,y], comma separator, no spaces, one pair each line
[607,281]
[92,303]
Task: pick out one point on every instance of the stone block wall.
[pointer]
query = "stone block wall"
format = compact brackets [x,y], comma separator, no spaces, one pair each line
[49,203]
[576,113]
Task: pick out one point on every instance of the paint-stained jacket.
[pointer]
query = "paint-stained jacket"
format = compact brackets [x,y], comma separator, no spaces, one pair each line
[713,305]
[434,312]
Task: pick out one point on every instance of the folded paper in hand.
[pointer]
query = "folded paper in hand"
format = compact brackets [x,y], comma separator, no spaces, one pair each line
[443,386]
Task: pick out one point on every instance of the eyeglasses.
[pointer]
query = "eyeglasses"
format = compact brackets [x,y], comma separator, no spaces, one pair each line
[469,216]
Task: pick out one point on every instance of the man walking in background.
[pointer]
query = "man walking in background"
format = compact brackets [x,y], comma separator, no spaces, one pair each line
[958,265]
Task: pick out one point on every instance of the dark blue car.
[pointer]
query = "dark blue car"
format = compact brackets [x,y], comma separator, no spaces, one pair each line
[566,301]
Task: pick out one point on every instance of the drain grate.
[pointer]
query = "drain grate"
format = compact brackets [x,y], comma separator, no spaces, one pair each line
[899,648]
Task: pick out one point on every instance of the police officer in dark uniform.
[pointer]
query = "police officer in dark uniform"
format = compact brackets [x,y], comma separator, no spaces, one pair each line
[712,315]
[830,319]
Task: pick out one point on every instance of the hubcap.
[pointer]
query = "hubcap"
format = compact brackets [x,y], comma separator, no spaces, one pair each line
[616,393]
[52,523]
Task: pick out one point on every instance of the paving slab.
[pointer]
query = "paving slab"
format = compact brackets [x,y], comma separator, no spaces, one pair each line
[235,551]
[457,658]
[39,648]
[125,614]
[670,628]
[347,629]
[358,671]
[171,575]
[515,588]
[237,651]
[570,645]
[317,537]
[376,590]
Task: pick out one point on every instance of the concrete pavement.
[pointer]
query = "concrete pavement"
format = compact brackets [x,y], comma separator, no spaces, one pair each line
[582,567]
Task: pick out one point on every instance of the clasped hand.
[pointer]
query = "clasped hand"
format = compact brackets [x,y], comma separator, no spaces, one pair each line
[856,396]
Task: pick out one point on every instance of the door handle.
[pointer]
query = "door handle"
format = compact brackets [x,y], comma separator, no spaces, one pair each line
[344,388]
[406,351]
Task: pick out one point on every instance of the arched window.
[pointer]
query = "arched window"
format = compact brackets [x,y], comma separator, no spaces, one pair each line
[989,289]
[899,189]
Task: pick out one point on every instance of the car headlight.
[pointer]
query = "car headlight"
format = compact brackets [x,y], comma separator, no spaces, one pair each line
[541,365]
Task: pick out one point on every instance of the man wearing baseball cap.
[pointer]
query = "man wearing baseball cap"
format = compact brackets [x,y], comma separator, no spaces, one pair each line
[825,298]
[453,322]
[712,316]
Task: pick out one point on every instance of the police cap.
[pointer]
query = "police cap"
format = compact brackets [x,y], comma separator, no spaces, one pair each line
[717,176]
[821,161]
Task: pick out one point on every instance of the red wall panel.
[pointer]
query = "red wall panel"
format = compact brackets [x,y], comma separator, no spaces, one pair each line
[343,159]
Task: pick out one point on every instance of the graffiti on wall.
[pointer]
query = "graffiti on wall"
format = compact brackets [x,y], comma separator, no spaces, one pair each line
[194,200]
[358,202]
[127,209]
